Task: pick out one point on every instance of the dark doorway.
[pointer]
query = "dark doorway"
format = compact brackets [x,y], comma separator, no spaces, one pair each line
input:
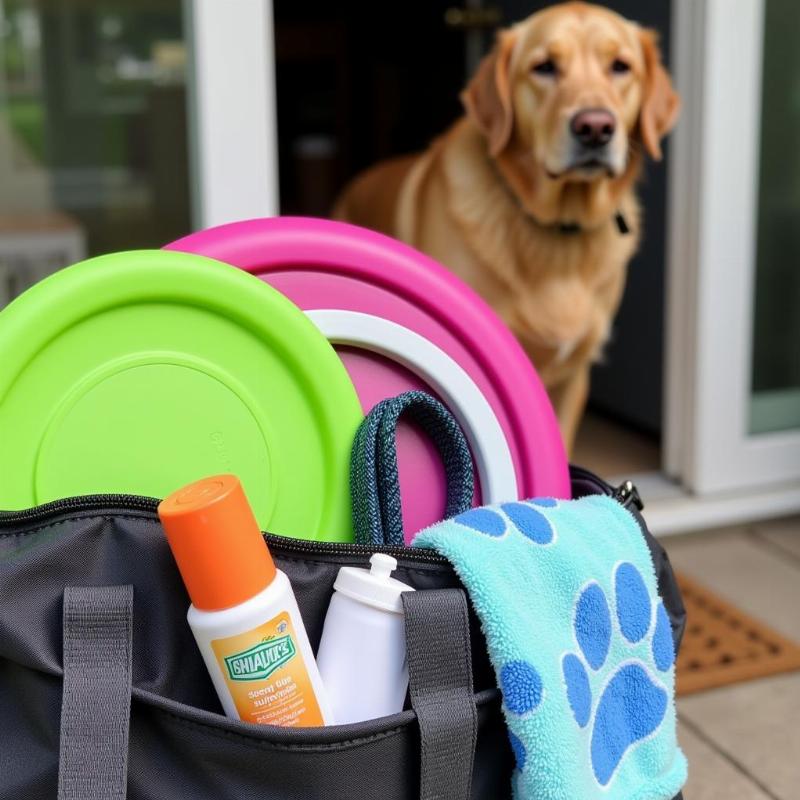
[357,83]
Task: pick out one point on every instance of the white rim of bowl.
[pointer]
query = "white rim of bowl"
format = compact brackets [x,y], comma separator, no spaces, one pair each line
[451,382]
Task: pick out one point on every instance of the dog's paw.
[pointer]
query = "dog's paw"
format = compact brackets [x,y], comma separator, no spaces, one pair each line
[630,704]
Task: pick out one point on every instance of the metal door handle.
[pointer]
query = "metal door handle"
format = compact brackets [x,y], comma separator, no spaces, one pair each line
[471,19]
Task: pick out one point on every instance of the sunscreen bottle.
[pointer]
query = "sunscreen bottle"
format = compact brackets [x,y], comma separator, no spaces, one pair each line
[362,654]
[244,615]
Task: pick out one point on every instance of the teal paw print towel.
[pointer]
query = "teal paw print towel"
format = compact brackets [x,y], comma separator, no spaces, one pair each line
[580,643]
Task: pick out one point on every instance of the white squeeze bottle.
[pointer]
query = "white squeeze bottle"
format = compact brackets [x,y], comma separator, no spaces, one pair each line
[362,654]
[244,615]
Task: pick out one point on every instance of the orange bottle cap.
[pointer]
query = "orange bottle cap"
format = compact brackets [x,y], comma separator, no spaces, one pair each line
[217,542]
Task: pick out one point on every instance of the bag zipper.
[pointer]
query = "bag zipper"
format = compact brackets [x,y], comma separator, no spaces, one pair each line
[284,544]
[626,494]
[89,502]
[109,503]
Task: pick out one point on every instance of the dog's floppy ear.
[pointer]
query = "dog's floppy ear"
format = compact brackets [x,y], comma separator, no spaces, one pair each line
[660,102]
[487,97]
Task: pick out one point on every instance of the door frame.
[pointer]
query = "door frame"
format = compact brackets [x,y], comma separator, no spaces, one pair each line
[233,130]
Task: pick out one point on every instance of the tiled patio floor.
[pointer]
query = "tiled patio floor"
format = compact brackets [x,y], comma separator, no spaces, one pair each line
[743,742]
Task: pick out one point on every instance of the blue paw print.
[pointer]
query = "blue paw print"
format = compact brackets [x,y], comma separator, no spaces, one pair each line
[522,690]
[632,702]
[524,515]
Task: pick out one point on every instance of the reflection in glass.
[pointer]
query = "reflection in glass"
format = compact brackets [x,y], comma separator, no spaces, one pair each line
[93,154]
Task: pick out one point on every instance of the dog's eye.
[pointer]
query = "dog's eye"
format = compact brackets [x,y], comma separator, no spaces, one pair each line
[620,67]
[545,67]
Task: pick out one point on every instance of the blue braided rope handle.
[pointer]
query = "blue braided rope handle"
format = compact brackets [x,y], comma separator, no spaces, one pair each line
[374,479]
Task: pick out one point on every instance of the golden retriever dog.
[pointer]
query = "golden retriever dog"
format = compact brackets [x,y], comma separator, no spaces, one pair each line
[530,196]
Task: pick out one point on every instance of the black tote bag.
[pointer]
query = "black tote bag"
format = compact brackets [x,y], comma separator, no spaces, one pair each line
[103,693]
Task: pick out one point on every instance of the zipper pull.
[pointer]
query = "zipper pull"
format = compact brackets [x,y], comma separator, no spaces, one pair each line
[627,494]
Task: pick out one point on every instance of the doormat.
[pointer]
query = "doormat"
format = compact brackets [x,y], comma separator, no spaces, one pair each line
[723,645]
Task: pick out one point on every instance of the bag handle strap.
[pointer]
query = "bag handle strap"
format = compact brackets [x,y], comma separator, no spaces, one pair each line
[95,709]
[374,478]
[440,685]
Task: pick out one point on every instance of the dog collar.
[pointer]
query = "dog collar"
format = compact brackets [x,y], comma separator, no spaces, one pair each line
[567,228]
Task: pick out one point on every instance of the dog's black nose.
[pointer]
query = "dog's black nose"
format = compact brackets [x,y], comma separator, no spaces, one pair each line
[593,127]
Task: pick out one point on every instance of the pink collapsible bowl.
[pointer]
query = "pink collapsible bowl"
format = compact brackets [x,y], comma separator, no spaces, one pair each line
[324,265]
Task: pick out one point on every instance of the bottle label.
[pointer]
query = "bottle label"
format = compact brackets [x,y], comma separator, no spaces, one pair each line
[267,677]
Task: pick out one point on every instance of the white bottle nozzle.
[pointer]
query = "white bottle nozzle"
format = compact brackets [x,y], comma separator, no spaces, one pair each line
[382,565]
[374,586]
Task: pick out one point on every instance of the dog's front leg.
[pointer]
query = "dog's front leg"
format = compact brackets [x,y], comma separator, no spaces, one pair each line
[569,401]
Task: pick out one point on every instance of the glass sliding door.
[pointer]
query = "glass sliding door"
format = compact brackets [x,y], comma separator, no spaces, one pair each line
[127,123]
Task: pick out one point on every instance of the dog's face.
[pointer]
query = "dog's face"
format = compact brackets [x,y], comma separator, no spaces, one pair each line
[574,89]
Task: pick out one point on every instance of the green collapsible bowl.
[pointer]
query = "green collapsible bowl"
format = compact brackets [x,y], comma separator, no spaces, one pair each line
[139,372]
